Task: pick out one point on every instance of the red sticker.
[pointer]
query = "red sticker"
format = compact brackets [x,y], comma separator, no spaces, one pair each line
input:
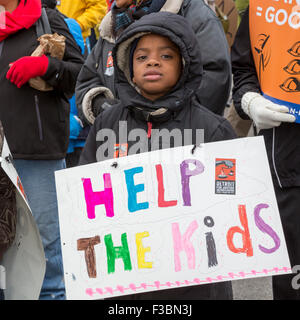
[225,176]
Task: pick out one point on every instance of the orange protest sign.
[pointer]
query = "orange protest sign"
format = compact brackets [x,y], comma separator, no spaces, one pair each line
[274,33]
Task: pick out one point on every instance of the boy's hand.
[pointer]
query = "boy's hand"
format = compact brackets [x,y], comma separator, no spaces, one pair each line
[100,103]
[25,68]
[264,113]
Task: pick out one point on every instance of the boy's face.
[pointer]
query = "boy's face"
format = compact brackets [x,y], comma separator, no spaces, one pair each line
[156,66]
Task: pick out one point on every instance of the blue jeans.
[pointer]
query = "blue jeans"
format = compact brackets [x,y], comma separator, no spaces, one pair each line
[37,177]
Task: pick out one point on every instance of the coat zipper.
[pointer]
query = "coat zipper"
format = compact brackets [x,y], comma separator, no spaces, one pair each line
[38,115]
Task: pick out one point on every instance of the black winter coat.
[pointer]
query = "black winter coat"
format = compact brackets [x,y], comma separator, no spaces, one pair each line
[283,142]
[36,123]
[184,112]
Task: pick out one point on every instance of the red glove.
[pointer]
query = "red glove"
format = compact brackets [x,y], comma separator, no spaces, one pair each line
[26,68]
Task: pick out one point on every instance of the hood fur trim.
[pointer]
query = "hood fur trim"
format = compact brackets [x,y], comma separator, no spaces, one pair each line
[88,98]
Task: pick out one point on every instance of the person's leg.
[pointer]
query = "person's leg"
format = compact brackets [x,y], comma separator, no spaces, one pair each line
[37,177]
[72,159]
[289,203]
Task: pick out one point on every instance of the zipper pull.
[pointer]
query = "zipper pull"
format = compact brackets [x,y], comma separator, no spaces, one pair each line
[149,129]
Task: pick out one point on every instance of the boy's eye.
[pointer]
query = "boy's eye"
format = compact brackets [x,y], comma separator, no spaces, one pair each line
[166,56]
[141,58]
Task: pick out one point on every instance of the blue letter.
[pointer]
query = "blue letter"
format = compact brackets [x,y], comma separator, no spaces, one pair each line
[133,190]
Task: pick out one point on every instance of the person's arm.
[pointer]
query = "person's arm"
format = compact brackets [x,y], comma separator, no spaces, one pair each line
[243,68]
[62,74]
[91,90]
[93,14]
[247,96]
[223,132]
[216,81]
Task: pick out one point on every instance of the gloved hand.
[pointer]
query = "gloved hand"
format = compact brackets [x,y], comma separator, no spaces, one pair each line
[25,68]
[264,113]
[100,102]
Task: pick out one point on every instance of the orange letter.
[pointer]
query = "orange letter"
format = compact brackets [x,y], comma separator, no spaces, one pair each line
[247,245]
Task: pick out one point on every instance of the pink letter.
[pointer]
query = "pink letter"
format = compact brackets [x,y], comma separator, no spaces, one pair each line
[94,199]
[183,243]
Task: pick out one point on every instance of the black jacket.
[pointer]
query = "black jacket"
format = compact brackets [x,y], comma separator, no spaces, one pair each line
[49,3]
[283,142]
[184,112]
[36,123]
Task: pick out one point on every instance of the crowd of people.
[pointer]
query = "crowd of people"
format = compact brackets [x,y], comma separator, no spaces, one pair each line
[153,63]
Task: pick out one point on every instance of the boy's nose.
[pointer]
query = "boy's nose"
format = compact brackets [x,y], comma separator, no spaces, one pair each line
[153,63]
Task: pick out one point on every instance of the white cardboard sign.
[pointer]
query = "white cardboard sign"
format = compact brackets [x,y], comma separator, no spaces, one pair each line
[24,261]
[170,218]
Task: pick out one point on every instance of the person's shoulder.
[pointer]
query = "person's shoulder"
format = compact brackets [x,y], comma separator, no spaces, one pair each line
[55,17]
[198,11]
[203,112]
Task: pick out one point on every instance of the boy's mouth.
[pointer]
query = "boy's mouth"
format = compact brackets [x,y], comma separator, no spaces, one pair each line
[152,75]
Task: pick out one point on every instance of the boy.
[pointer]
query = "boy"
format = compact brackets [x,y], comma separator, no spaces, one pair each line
[158,70]
[95,83]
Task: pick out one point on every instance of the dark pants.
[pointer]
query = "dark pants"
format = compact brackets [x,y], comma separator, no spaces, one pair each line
[1,294]
[73,158]
[288,200]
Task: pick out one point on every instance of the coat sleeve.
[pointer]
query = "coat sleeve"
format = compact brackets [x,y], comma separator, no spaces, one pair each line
[216,81]
[91,83]
[223,132]
[243,68]
[62,74]
[93,14]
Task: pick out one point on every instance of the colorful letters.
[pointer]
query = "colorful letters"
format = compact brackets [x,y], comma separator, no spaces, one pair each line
[184,239]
